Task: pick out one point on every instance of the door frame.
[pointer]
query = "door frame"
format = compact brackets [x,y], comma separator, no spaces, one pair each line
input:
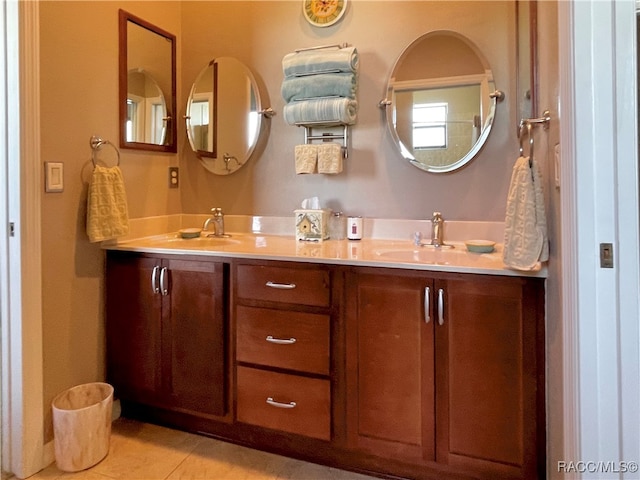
[21,291]
[599,204]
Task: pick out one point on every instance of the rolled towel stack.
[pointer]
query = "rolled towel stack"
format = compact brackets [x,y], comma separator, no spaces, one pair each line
[320,86]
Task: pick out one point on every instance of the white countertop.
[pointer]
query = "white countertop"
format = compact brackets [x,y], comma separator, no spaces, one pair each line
[366,252]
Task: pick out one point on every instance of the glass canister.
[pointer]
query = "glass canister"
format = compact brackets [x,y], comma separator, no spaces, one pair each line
[338,226]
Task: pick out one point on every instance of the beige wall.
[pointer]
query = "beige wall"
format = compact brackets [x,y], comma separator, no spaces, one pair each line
[79,82]
[79,93]
[376,182]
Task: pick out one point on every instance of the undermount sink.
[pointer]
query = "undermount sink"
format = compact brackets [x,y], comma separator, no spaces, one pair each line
[433,256]
[198,242]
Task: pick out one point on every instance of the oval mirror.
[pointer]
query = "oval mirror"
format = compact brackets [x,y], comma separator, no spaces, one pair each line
[223,115]
[441,101]
[147,90]
[146,120]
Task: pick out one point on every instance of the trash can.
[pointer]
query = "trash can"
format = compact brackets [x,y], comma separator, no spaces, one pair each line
[82,425]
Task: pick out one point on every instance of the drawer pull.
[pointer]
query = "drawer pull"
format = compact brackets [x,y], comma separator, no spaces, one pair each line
[280,341]
[273,403]
[281,286]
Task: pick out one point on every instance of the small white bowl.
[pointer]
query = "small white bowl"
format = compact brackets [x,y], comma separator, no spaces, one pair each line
[480,246]
[189,232]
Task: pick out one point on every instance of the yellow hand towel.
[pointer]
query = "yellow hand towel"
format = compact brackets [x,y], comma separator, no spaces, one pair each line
[306,157]
[107,215]
[525,242]
[330,158]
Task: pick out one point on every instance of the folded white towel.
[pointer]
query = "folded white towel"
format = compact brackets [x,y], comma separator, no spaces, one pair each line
[318,110]
[306,158]
[330,158]
[311,62]
[525,243]
[107,214]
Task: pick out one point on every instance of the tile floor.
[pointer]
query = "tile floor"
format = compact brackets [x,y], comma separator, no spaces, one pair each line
[140,451]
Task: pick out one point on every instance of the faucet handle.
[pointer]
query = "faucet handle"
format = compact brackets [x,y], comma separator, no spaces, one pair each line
[216,211]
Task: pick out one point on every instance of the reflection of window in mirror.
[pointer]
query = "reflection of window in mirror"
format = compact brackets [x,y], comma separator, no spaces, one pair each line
[252,123]
[430,125]
[200,122]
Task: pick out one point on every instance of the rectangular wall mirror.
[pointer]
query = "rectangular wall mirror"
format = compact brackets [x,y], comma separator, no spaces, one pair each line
[147,90]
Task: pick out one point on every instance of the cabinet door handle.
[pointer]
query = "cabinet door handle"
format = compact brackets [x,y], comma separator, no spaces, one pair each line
[281,286]
[427,294]
[154,280]
[273,403]
[440,306]
[163,278]
[280,341]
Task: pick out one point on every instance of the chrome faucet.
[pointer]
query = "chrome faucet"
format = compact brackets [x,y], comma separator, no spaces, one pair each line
[437,234]
[437,229]
[218,223]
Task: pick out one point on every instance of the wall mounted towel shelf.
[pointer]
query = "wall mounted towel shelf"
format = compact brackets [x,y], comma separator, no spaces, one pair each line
[309,136]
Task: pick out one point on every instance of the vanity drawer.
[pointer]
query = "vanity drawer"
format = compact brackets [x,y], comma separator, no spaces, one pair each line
[288,403]
[285,339]
[303,286]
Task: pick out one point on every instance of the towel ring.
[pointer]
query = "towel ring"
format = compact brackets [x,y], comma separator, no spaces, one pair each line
[530,135]
[97,143]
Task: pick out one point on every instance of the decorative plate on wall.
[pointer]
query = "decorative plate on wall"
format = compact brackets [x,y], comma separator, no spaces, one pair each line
[322,13]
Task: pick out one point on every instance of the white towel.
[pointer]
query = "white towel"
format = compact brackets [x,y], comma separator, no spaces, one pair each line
[525,242]
[107,214]
[306,158]
[330,158]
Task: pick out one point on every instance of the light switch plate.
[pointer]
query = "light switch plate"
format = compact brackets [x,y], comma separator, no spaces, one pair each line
[53,177]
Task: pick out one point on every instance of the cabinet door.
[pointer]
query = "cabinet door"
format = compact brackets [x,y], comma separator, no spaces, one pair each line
[194,313]
[390,358]
[486,376]
[133,327]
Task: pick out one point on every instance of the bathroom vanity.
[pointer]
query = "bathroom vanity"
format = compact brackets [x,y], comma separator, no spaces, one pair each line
[340,353]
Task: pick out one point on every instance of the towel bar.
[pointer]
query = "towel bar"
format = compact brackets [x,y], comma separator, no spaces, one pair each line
[96,143]
[336,45]
[309,136]
[528,124]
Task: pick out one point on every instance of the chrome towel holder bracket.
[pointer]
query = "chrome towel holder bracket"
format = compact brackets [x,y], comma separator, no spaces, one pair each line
[528,124]
[96,144]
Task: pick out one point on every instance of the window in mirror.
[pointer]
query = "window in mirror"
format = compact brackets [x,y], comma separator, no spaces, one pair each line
[147,85]
[429,125]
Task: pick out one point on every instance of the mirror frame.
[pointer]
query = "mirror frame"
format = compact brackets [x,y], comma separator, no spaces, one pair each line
[171,143]
[495,97]
[527,59]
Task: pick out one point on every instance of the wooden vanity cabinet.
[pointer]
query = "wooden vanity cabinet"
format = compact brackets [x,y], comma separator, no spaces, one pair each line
[446,370]
[398,372]
[166,331]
